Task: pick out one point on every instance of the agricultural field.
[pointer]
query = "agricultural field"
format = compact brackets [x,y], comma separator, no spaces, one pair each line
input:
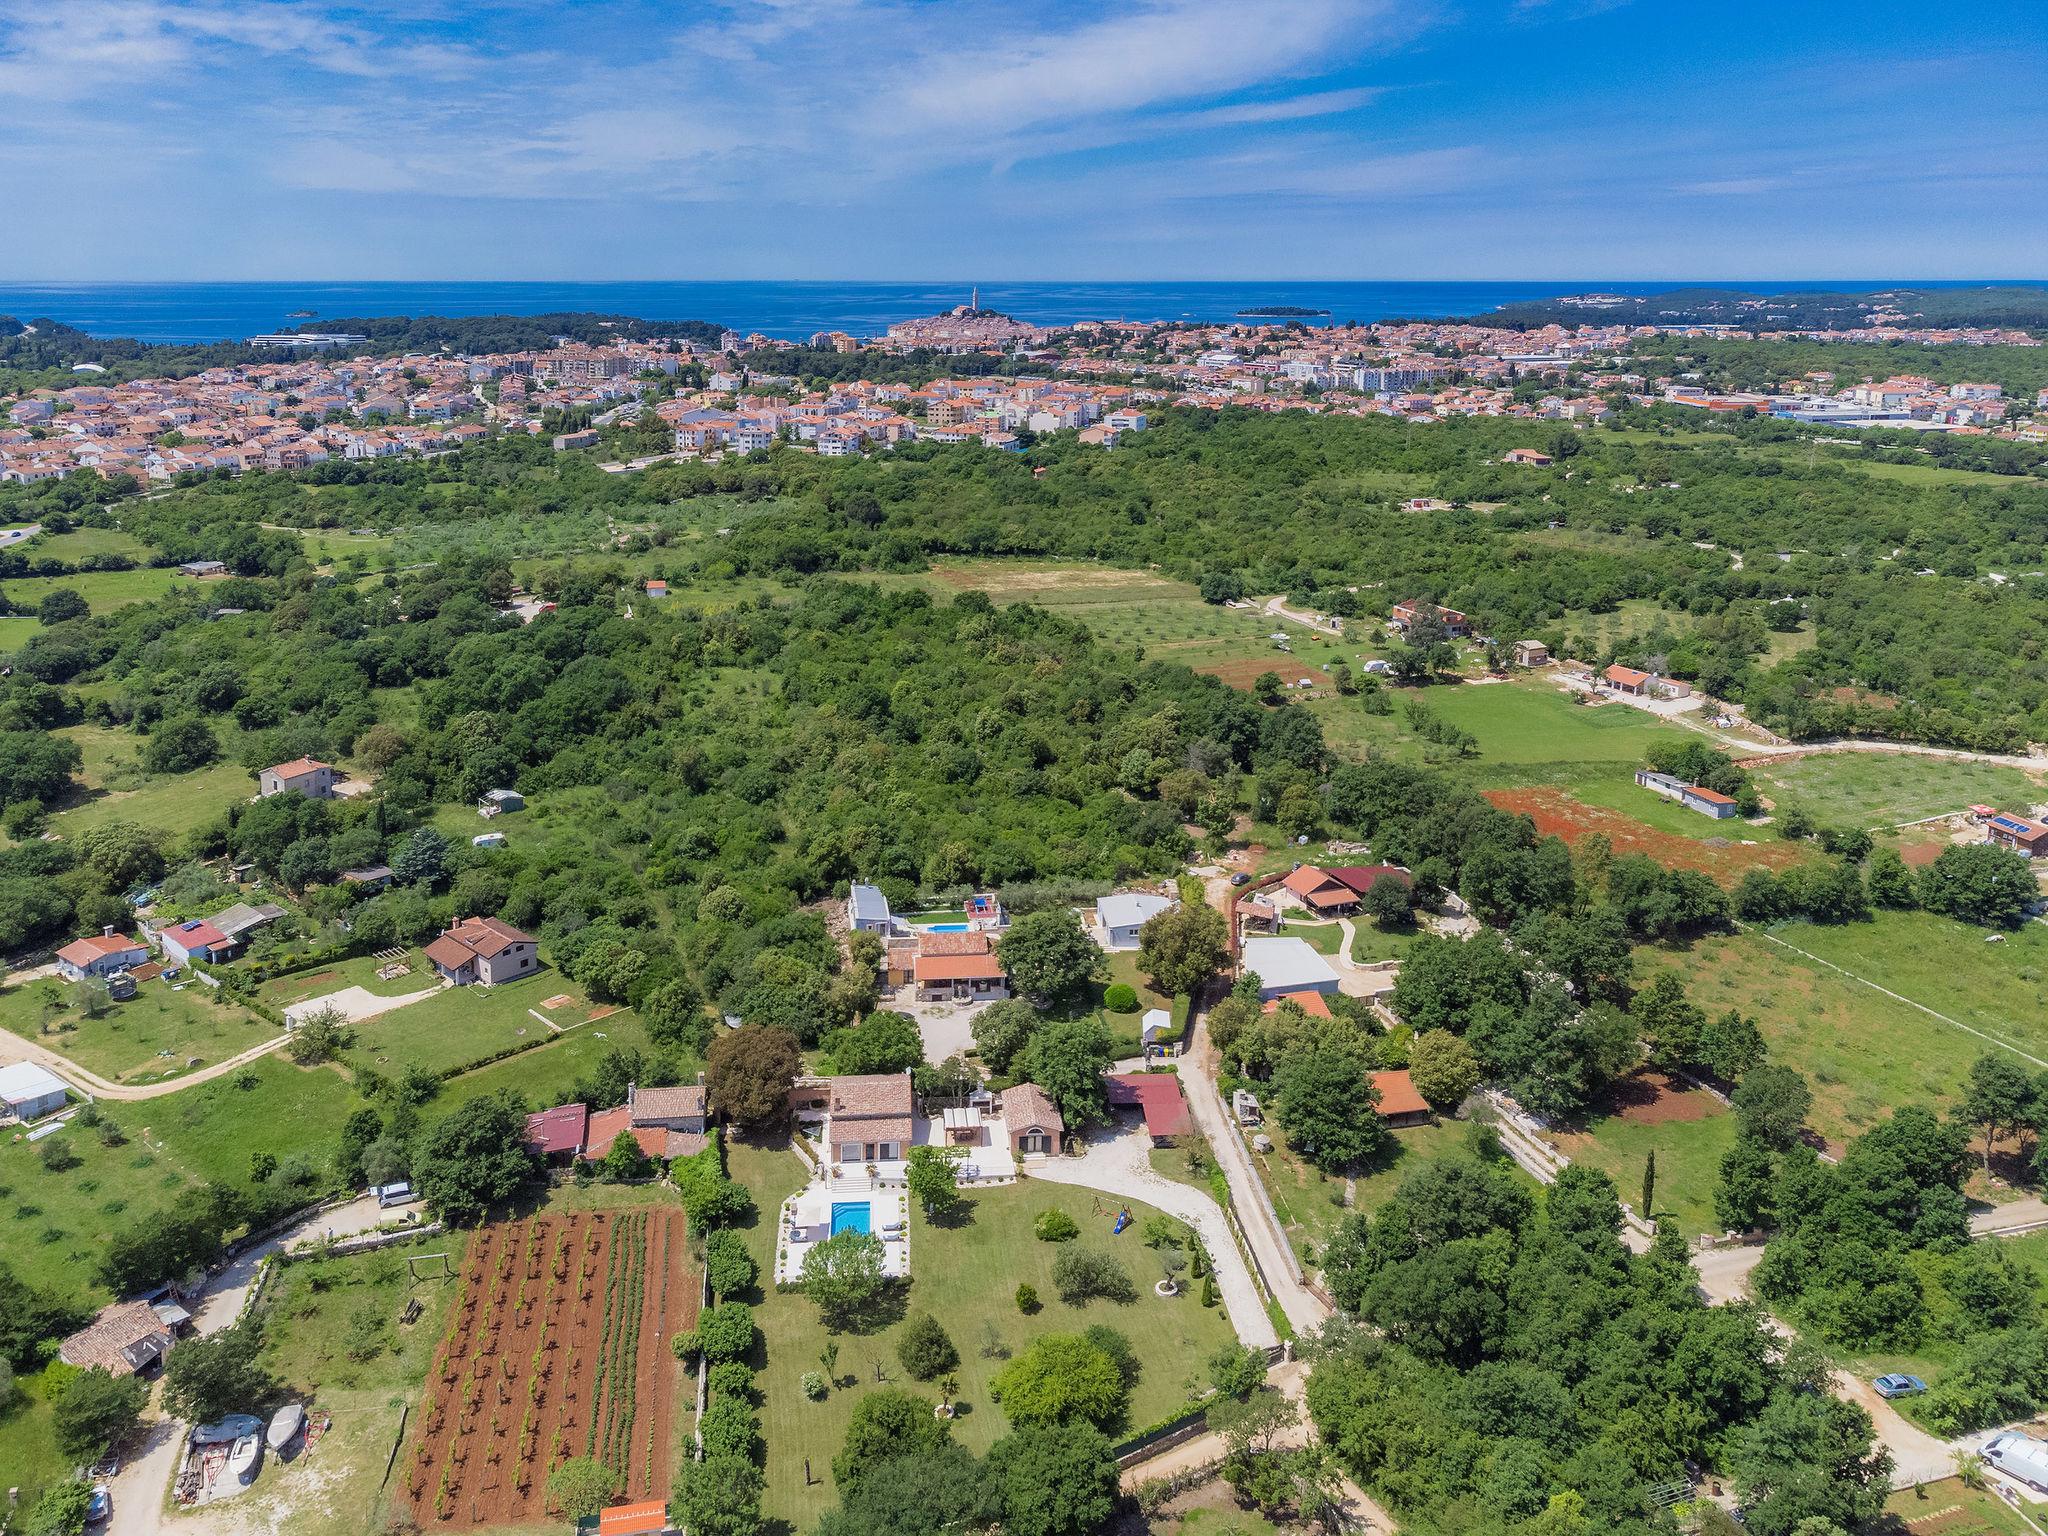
[557,1347]
[1874,789]
[1726,856]
[965,1276]
[151,1036]
[1687,1128]
[1863,1052]
[459,1025]
[336,1334]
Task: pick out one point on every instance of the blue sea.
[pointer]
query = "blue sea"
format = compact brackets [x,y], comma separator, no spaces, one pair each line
[189,312]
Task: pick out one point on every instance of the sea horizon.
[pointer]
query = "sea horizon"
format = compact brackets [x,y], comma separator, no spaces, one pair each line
[192,312]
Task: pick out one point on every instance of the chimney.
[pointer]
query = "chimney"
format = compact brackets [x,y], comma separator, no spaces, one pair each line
[107,931]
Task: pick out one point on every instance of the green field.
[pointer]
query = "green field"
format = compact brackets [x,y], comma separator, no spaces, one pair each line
[309,1311]
[1865,1053]
[29,1458]
[103,591]
[1370,942]
[52,1224]
[1689,1154]
[116,788]
[1323,938]
[1872,789]
[458,1025]
[357,971]
[1961,1512]
[84,543]
[1312,1204]
[328,546]
[149,1037]
[965,1276]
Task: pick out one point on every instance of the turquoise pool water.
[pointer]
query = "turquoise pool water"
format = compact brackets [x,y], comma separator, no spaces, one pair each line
[849,1216]
[945,927]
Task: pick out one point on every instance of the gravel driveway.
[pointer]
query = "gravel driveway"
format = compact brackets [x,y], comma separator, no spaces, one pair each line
[1117,1162]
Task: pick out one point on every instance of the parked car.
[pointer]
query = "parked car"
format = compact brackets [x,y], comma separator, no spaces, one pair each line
[1897,1385]
[100,1506]
[1240,878]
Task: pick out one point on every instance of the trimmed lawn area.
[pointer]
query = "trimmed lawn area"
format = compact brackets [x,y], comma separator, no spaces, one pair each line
[966,1277]
[29,1458]
[1370,942]
[1323,938]
[149,1037]
[1122,966]
[1872,789]
[356,971]
[544,1075]
[459,1025]
[1535,722]
[116,788]
[316,1309]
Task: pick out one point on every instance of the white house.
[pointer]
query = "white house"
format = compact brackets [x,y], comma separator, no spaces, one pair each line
[1122,915]
[100,954]
[1285,965]
[301,776]
[28,1092]
[867,910]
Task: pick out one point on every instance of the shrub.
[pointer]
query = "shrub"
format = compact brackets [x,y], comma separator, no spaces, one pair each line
[1055,1226]
[814,1386]
[729,1428]
[1061,1377]
[728,1264]
[685,1344]
[726,1331]
[1120,997]
[1083,1274]
[924,1348]
[732,1378]
[1027,1298]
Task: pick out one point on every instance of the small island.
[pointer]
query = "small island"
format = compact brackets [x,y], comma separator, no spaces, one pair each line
[302,314]
[1282,311]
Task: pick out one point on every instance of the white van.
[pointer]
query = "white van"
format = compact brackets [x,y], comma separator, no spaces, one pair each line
[2020,1457]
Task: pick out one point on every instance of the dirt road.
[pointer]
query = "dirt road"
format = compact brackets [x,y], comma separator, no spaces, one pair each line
[13,1046]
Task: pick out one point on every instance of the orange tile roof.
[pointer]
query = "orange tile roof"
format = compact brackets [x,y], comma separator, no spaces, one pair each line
[1397,1094]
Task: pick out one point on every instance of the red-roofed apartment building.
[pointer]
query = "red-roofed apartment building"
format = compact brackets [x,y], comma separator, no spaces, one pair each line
[484,949]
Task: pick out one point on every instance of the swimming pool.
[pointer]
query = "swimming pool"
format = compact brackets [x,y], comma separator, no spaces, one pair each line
[849,1216]
[944,927]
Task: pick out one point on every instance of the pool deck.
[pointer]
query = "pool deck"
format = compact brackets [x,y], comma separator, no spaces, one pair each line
[806,1221]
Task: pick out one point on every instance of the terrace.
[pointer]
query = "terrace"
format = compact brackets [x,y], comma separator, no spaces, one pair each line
[822,1210]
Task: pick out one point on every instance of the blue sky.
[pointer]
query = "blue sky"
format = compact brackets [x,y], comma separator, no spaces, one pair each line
[914,139]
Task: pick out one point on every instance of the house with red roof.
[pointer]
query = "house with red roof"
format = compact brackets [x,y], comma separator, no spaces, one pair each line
[558,1132]
[484,949]
[190,943]
[958,967]
[1398,1102]
[101,954]
[1626,679]
[301,776]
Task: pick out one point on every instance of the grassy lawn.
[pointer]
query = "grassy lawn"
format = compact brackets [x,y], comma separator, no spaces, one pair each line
[1689,1154]
[357,971]
[1533,722]
[103,591]
[1323,938]
[965,1276]
[29,1458]
[1965,1511]
[326,546]
[1311,1204]
[1123,1027]
[545,1074]
[150,1036]
[1863,1053]
[464,1024]
[83,543]
[52,1224]
[310,1308]
[1370,942]
[1874,789]
[116,788]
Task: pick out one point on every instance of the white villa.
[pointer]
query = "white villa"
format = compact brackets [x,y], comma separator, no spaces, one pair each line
[1119,917]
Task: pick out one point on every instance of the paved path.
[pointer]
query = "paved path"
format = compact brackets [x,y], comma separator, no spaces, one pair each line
[13,1045]
[1120,1164]
[355,1004]
[1305,1310]
[1277,606]
[143,1483]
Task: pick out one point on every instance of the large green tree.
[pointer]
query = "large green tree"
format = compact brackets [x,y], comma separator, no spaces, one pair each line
[1183,947]
[474,1158]
[1048,955]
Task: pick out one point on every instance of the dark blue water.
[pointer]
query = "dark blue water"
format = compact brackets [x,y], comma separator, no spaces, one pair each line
[229,311]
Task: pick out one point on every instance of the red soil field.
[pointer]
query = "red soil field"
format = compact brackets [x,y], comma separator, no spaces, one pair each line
[1242,674]
[1556,813]
[558,1347]
[1651,1098]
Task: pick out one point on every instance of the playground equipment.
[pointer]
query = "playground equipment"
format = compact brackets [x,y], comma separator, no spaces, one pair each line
[1123,1219]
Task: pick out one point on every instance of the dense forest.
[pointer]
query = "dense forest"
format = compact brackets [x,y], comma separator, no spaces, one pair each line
[1927,600]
